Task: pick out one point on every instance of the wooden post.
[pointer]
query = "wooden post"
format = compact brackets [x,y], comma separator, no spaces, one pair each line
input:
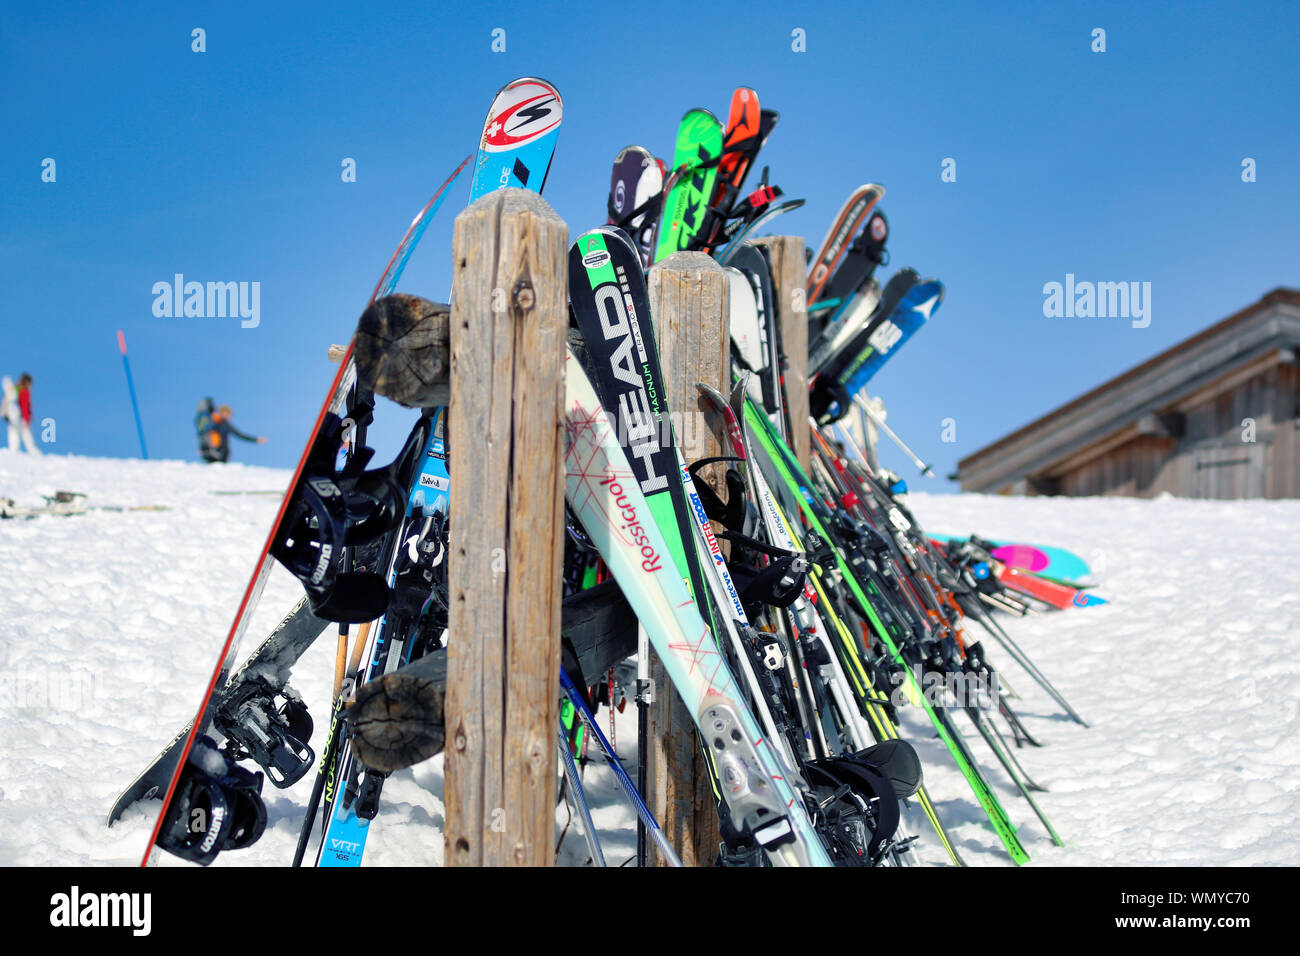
[789,269]
[508,323]
[688,299]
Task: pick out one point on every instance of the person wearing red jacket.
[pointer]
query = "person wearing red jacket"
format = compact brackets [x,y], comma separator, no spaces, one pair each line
[18,413]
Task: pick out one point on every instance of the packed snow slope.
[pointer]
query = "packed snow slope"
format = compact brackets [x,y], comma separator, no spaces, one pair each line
[110,623]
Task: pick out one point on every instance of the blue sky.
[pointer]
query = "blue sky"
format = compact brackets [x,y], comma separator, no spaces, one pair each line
[225,166]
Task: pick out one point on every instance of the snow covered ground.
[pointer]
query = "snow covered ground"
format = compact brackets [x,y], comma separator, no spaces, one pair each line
[110,621]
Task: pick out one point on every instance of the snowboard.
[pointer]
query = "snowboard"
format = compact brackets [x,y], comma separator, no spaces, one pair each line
[268,665]
[334,402]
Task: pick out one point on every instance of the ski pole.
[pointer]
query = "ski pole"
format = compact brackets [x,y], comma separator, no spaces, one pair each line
[643,813]
[880,423]
[584,809]
[130,387]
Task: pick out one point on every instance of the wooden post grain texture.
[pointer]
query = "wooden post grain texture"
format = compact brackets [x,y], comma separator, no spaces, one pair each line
[508,324]
[789,270]
[688,299]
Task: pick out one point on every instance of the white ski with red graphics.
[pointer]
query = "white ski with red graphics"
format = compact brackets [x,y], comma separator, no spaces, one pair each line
[519,137]
[604,492]
[612,307]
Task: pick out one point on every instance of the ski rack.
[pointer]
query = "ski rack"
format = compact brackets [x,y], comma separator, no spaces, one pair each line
[505,566]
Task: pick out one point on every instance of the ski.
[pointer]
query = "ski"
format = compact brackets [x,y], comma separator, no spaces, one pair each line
[769,212]
[816,608]
[742,140]
[604,492]
[1044,560]
[858,265]
[790,473]
[847,372]
[518,138]
[851,341]
[515,150]
[843,227]
[635,196]
[66,504]
[690,187]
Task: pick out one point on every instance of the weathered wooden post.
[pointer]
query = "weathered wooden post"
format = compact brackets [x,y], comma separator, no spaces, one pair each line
[688,298]
[789,270]
[508,323]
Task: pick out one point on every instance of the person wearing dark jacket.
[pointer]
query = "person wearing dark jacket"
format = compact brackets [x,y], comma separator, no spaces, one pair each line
[215,429]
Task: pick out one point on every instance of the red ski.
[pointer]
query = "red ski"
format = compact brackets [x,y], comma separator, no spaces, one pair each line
[1058,596]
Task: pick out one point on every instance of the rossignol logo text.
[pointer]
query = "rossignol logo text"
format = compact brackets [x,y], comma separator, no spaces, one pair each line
[76,909]
[650,560]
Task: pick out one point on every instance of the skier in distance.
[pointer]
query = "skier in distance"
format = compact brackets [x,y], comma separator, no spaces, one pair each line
[16,409]
[215,428]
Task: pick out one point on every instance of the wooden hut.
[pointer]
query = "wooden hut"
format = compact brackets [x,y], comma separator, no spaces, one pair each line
[1215,416]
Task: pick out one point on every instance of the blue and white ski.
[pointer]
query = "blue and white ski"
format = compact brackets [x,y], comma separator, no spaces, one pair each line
[515,150]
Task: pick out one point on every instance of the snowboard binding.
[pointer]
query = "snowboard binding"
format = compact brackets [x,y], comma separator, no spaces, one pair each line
[273,735]
[334,509]
[217,806]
